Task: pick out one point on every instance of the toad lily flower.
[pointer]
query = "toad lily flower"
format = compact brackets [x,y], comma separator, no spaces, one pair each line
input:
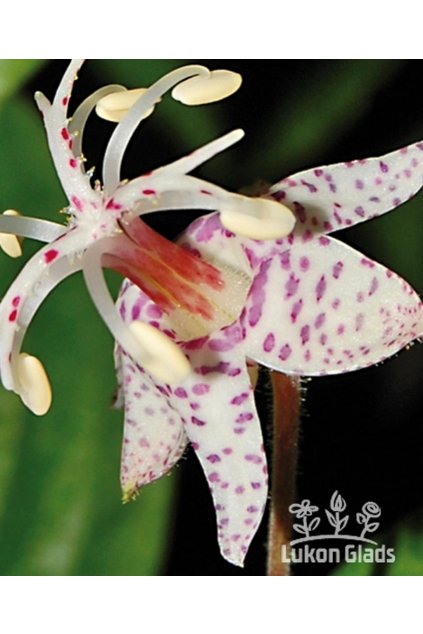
[105,229]
[313,306]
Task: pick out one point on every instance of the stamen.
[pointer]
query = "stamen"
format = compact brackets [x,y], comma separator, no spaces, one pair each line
[34,386]
[9,242]
[125,129]
[165,360]
[115,107]
[256,218]
[217,85]
[81,114]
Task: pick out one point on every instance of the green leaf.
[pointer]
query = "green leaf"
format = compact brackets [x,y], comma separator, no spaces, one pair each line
[14,73]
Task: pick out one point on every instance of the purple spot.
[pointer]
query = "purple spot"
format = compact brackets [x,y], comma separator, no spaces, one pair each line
[252,509]
[359,184]
[296,309]
[285,352]
[244,417]
[383,167]
[320,319]
[311,188]
[286,260]
[239,490]
[197,421]
[214,477]
[324,241]
[227,451]
[257,294]
[304,264]
[373,286]
[359,320]
[291,285]
[238,400]
[321,288]
[305,334]
[200,389]
[213,458]
[180,392]
[256,485]
[359,211]
[269,342]
[300,211]
[337,269]
[253,458]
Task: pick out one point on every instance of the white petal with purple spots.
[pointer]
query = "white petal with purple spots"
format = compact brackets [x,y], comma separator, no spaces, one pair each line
[333,197]
[328,310]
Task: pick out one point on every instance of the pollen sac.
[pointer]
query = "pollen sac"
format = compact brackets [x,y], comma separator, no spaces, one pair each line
[163,357]
[10,243]
[115,107]
[35,390]
[257,218]
[216,85]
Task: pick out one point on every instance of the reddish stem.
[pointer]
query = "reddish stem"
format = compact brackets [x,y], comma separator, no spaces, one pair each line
[286,408]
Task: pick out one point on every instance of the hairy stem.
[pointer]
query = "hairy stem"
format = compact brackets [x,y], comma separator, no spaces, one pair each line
[286,407]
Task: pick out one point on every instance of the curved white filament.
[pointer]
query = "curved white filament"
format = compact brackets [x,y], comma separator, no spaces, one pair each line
[125,129]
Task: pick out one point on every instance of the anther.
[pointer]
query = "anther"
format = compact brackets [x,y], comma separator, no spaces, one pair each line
[10,243]
[164,359]
[217,85]
[34,386]
[115,106]
[257,218]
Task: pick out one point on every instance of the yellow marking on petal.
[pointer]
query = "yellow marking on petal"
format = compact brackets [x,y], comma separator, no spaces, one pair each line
[257,218]
[35,389]
[10,243]
[114,107]
[164,359]
[129,493]
[217,85]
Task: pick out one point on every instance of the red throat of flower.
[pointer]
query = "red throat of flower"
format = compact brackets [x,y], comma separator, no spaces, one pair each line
[173,277]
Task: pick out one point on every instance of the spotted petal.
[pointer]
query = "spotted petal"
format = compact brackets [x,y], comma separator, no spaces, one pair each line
[154,437]
[217,404]
[323,308]
[333,197]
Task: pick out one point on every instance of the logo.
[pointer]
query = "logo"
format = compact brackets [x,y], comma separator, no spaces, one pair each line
[352,546]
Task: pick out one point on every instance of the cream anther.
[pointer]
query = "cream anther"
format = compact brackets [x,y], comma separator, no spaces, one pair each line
[115,106]
[34,386]
[215,86]
[10,243]
[164,359]
[257,218]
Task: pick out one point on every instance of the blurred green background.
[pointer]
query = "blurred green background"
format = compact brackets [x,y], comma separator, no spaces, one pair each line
[60,508]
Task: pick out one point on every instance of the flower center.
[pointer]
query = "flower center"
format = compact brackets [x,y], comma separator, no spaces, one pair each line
[199,296]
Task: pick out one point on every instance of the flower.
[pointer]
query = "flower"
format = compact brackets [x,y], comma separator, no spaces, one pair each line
[313,306]
[104,229]
[303,509]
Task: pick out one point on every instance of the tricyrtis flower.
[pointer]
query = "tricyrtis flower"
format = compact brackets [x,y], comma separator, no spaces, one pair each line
[313,306]
[104,229]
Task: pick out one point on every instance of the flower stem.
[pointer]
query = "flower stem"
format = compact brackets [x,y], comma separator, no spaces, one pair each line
[286,406]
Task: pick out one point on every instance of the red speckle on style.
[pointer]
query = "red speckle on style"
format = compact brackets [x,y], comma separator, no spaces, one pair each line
[51,255]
